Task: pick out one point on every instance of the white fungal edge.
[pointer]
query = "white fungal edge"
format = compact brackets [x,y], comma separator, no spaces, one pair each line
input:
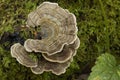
[44,3]
[68,58]
[36,72]
[78,43]
[74,19]
[11,49]
[63,71]
[17,57]
[30,50]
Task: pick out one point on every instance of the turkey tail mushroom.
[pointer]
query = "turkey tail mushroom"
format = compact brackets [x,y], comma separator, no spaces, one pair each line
[54,67]
[59,62]
[58,27]
[19,52]
[65,55]
[58,41]
[60,57]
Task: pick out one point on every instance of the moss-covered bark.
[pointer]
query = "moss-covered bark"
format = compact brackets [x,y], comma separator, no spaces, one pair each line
[98,24]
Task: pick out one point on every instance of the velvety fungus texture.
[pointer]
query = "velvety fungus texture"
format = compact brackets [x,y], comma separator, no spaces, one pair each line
[58,43]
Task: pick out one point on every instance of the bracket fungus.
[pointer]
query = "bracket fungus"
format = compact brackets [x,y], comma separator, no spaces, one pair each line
[58,43]
[58,27]
[22,56]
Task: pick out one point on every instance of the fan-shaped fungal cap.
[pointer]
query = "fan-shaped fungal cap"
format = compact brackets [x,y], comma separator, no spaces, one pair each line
[19,52]
[58,27]
[76,44]
[56,68]
[60,57]
[59,62]
[65,55]
[59,41]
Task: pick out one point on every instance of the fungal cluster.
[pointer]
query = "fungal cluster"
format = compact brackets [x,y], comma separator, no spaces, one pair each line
[58,43]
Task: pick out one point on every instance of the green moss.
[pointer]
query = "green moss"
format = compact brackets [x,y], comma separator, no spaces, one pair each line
[98,24]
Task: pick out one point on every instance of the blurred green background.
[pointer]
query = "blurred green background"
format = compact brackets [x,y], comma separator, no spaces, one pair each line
[98,24]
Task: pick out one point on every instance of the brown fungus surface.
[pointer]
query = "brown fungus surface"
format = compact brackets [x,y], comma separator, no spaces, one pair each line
[58,27]
[58,44]
[60,57]
[65,55]
[22,56]
[54,67]
[57,63]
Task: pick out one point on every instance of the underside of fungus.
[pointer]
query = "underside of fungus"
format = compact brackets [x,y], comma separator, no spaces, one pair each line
[59,43]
